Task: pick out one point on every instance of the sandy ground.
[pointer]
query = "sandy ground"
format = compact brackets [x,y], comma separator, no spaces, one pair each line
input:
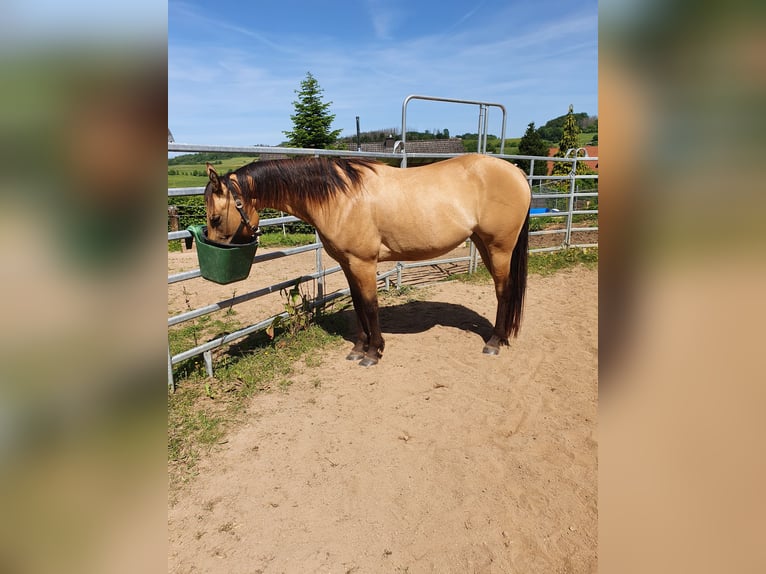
[438,459]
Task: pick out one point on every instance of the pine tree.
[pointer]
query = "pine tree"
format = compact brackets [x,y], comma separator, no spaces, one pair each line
[312,120]
[568,141]
[532,144]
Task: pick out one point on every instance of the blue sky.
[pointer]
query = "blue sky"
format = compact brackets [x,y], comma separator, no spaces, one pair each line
[234,66]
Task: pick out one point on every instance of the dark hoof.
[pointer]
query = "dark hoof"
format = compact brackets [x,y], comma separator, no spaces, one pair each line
[368,362]
[490,350]
[354,356]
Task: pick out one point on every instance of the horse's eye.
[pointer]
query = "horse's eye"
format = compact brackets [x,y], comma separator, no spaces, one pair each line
[215,220]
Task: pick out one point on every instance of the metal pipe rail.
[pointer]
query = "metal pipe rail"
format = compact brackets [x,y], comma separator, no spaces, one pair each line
[226,303]
[483,119]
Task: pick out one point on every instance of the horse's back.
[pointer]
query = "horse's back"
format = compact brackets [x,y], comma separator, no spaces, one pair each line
[425,211]
[469,184]
[464,175]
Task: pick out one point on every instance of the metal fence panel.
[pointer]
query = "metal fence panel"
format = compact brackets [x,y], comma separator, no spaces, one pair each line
[570,197]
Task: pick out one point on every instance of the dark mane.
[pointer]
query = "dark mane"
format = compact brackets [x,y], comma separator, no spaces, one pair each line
[307,179]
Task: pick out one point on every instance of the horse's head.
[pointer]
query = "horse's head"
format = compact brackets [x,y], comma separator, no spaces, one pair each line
[228,219]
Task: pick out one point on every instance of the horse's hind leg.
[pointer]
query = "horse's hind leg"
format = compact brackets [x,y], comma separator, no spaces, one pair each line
[498,263]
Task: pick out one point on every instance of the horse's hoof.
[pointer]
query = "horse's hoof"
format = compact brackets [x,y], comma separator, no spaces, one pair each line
[354,356]
[368,362]
[490,350]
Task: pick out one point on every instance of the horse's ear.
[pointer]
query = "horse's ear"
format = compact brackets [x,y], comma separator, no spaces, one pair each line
[211,173]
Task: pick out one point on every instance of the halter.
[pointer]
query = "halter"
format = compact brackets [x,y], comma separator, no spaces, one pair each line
[255,232]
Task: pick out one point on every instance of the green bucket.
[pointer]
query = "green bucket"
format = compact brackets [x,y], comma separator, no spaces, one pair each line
[222,263]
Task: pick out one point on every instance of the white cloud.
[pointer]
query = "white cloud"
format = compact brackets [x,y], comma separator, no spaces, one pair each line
[382,17]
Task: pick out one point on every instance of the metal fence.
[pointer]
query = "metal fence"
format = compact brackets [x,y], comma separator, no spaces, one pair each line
[557,197]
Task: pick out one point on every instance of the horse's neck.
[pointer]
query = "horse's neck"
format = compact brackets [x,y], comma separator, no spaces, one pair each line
[295,203]
[297,208]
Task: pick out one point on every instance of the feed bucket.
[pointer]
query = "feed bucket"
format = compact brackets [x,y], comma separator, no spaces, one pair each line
[219,262]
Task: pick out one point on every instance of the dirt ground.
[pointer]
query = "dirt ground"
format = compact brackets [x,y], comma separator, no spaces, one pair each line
[438,459]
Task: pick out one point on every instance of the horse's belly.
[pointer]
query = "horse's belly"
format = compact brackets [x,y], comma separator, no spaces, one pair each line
[420,247]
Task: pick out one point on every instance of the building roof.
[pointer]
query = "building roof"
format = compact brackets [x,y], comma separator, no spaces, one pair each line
[450,145]
[592,151]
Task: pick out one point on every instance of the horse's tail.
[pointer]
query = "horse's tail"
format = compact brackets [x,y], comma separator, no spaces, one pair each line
[518,287]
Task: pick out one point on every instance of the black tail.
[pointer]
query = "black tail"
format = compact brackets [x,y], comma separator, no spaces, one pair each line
[518,286]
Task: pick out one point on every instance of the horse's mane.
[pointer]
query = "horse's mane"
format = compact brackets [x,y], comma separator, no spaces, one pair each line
[312,179]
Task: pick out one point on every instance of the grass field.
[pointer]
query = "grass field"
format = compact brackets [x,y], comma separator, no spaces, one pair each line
[183,177]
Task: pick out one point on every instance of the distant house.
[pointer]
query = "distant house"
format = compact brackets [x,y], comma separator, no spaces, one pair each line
[394,147]
[449,145]
[592,151]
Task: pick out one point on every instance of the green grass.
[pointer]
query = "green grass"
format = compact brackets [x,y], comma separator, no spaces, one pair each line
[183,177]
[584,139]
[288,240]
[549,262]
[545,263]
[184,180]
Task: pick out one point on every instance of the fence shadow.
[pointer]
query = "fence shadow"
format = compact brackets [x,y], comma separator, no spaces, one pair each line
[411,318]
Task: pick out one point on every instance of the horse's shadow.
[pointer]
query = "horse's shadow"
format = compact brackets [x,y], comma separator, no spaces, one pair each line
[410,318]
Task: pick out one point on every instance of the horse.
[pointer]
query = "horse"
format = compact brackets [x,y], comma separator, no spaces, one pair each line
[365,211]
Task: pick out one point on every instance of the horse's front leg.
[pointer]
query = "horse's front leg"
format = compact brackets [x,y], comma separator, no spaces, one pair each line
[362,282]
[363,332]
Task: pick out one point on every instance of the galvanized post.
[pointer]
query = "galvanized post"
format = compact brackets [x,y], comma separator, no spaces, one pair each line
[208,358]
[171,382]
[404,132]
[319,267]
[358,138]
[570,215]
[502,134]
[478,130]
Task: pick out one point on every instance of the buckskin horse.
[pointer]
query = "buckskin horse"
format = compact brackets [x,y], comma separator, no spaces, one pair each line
[365,211]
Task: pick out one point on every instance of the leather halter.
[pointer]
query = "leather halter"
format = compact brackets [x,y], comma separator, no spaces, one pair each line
[254,231]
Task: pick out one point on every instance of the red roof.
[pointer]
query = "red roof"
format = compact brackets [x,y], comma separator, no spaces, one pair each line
[592,151]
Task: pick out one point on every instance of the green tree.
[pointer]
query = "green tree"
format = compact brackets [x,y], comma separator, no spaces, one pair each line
[553,129]
[532,144]
[568,141]
[312,119]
